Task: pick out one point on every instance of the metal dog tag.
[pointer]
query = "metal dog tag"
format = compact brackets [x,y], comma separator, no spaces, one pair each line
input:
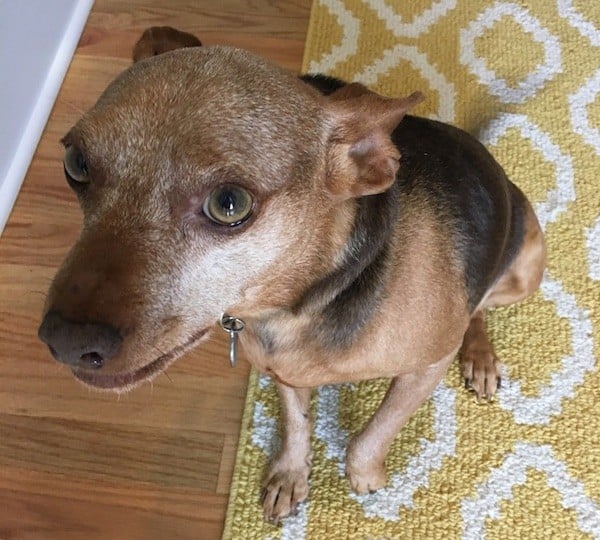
[233,326]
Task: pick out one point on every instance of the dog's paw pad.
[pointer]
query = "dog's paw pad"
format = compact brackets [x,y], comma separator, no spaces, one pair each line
[283,492]
[481,373]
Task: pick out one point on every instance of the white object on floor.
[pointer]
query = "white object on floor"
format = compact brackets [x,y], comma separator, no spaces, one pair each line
[37,41]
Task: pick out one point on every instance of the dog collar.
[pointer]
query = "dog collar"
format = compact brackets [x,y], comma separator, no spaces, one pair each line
[233,326]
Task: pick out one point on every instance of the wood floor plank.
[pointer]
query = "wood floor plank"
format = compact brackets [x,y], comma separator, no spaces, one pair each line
[94,450]
[193,394]
[155,463]
[227,463]
[29,516]
[185,502]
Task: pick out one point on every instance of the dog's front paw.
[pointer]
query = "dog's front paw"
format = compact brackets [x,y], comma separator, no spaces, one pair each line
[481,372]
[366,480]
[365,475]
[284,490]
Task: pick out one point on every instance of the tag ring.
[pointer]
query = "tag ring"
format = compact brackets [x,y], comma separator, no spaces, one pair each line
[233,326]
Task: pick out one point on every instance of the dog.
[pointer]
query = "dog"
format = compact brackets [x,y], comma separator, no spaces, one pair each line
[346,240]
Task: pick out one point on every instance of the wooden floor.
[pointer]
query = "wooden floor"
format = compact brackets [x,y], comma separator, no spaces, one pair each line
[156,463]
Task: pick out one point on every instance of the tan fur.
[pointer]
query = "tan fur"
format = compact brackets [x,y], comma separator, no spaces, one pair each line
[524,275]
[405,334]
[156,144]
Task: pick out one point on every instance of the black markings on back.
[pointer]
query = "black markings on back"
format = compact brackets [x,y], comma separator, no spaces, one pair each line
[469,194]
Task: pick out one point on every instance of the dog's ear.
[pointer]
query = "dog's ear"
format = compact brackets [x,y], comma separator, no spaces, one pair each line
[361,158]
[160,39]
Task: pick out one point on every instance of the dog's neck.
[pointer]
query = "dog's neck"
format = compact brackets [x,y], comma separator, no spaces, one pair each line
[334,309]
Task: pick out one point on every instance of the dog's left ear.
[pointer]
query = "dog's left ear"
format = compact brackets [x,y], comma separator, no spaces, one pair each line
[361,158]
[161,39]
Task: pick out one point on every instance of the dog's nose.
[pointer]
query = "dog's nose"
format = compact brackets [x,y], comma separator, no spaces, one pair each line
[79,344]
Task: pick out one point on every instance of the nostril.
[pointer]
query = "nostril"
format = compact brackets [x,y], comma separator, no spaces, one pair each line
[79,343]
[93,359]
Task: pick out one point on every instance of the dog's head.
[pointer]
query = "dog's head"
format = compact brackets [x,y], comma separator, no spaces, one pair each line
[210,181]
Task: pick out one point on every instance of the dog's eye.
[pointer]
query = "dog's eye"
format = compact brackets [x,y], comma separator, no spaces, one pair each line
[75,165]
[228,205]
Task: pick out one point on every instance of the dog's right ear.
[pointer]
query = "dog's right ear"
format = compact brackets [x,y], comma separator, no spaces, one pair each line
[160,39]
[361,158]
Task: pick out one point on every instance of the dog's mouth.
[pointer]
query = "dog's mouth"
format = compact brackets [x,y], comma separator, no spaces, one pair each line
[127,381]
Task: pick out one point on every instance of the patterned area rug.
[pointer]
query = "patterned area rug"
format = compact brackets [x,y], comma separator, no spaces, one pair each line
[524,77]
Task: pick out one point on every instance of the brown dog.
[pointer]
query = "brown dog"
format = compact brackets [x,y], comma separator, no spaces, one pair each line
[354,242]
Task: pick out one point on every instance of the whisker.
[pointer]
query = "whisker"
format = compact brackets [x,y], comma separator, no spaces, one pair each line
[161,353]
[158,350]
[73,107]
[42,293]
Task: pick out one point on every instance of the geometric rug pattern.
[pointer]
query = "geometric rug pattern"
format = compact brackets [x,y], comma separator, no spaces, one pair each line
[524,77]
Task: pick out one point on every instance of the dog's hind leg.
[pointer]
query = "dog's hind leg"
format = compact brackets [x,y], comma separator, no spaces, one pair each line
[479,365]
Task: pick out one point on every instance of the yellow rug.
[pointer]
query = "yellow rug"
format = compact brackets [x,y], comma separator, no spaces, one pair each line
[524,76]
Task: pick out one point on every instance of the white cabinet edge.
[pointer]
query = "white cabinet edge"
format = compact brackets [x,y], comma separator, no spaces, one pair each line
[11,184]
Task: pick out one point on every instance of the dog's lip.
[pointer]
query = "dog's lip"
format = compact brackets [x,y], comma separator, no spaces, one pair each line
[116,381]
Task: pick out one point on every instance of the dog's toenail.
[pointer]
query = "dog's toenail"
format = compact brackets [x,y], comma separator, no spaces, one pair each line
[499,385]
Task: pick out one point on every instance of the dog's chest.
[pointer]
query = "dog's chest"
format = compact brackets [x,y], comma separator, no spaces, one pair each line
[307,364]
[288,360]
